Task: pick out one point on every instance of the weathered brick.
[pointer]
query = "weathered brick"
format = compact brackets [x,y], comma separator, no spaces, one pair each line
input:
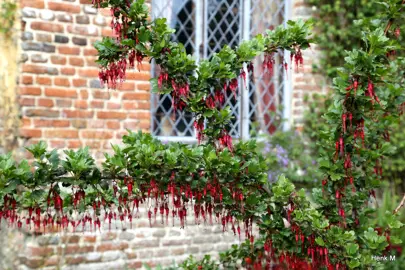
[45,102]
[100,20]
[69,8]
[64,18]
[79,82]
[68,71]
[32,4]
[88,9]
[27,36]
[60,81]
[61,39]
[112,246]
[27,101]
[113,105]
[46,26]
[42,112]
[95,84]
[43,80]
[97,134]
[69,50]
[62,133]
[93,257]
[30,90]
[58,60]
[97,104]
[30,133]
[28,12]
[78,114]
[89,73]
[74,144]
[76,61]
[113,125]
[126,86]
[39,69]
[39,58]
[73,260]
[136,96]
[47,15]
[82,19]
[27,80]
[42,37]
[57,143]
[79,41]
[64,103]
[33,262]
[56,92]
[89,30]
[81,104]
[111,115]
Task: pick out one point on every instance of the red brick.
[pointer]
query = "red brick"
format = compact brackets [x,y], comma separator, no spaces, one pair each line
[61,82]
[58,60]
[84,94]
[86,2]
[81,104]
[51,123]
[64,103]
[107,32]
[68,71]
[96,124]
[131,125]
[30,133]
[43,80]
[97,104]
[74,144]
[90,73]
[76,61]
[27,102]
[75,260]
[57,144]
[91,61]
[29,90]
[33,69]
[138,115]
[26,122]
[89,239]
[27,80]
[46,26]
[79,123]
[93,144]
[97,134]
[55,92]
[130,106]
[98,94]
[113,124]
[76,249]
[92,52]
[62,133]
[143,86]
[83,30]
[143,105]
[138,76]
[112,246]
[78,114]
[32,4]
[45,102]
[136,96]
[126,86]
[69,50]
[42,37]
[79,82]
[135,265]
[111,115]
[69,8]
[113,105]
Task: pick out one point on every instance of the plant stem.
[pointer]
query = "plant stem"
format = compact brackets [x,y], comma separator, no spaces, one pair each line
[401,204]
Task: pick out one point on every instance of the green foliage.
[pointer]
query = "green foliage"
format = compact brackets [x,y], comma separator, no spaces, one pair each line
[8,9]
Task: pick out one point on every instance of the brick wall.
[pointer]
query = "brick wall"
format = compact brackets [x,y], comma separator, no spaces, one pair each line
[305,81]
[60,96]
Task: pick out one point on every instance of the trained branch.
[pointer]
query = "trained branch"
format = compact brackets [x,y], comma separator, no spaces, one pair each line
[401,204]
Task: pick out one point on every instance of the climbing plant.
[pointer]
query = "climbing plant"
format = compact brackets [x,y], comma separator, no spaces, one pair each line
[219,181]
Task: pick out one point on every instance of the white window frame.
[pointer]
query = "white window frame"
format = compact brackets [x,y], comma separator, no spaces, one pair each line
[201,16]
